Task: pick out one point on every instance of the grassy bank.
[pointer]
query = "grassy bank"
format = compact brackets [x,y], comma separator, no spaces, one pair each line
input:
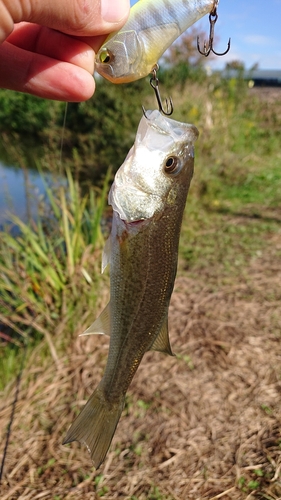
[47,268]
[206,424]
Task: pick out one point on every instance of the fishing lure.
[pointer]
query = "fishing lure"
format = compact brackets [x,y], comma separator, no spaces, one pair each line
[152,26]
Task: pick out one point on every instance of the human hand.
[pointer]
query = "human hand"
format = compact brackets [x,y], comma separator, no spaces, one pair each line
[47,47]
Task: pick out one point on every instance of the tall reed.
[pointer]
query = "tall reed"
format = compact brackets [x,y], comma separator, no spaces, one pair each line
[49,271]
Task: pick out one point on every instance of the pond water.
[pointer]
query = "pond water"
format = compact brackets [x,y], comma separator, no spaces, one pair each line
[21,190]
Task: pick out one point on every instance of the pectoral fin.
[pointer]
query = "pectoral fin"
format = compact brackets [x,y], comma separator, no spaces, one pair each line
[162,341]
[101,325]
[106,254]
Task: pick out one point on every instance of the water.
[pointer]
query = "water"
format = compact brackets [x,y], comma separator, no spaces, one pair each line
[21,191]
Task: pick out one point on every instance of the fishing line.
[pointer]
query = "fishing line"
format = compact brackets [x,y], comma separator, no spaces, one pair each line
[19,376]
[62,135]
[15,400]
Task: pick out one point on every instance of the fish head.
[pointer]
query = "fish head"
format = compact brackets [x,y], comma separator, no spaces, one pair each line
[118,60]
[157,170]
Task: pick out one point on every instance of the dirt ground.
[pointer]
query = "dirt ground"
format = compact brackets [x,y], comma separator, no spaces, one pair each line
[202,425]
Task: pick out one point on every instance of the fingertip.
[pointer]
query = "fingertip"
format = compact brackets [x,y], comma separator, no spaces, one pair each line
[115,12]
[65,82]
[88,89]
[7,23]
[84,57]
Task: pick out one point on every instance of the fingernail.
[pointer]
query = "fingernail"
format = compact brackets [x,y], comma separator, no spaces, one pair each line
[114,11]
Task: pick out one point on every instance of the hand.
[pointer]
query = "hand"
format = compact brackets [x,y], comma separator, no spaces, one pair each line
[47,47]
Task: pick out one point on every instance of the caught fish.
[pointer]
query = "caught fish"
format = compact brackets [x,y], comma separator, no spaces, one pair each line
[148,197]
[152,26]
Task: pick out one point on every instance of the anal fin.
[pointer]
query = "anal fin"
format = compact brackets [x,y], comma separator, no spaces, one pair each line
[162,341]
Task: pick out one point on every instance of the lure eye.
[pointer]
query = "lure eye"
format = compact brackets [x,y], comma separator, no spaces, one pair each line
[105,56]
[172,165]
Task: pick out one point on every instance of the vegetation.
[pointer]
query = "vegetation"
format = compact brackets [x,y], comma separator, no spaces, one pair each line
[46,269]
[51,286]
[101,130]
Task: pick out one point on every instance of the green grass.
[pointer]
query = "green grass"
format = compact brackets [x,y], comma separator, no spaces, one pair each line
[234,202]
[221,241]
[241,181]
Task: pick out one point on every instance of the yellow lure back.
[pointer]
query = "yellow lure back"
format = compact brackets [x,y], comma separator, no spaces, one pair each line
[152,26]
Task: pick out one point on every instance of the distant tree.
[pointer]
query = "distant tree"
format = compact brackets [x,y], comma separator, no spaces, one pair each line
[235,64]
[182,61]
[23,113]
[254,67]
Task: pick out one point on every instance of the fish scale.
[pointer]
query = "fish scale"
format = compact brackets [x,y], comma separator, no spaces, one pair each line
[152,26]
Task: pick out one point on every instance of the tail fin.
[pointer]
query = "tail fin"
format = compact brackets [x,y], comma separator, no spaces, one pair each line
[95,425]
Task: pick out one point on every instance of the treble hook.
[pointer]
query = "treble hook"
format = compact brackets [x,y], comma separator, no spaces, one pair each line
[154,82]
[210,48]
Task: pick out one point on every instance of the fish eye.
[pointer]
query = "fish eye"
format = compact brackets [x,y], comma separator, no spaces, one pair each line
[172,165]
[105,56]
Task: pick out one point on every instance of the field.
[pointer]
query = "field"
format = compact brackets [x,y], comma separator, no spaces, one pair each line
[205,424]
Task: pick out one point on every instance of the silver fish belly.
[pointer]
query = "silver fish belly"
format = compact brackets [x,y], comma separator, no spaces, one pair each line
[148,197]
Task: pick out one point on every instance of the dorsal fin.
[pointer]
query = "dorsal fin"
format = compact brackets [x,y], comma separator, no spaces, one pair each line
[102,323]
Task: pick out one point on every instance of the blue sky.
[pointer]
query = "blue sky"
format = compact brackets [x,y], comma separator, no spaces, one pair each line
[254,27]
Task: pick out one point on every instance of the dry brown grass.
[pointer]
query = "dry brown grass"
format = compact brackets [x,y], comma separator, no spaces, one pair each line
[203,425]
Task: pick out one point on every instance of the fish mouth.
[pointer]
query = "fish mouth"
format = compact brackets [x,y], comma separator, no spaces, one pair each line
[167,126]
[135,223]
[135,226]
[107,71]
[104,70]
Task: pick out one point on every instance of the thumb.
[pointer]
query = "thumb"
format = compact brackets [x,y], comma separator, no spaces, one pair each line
[74,17]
